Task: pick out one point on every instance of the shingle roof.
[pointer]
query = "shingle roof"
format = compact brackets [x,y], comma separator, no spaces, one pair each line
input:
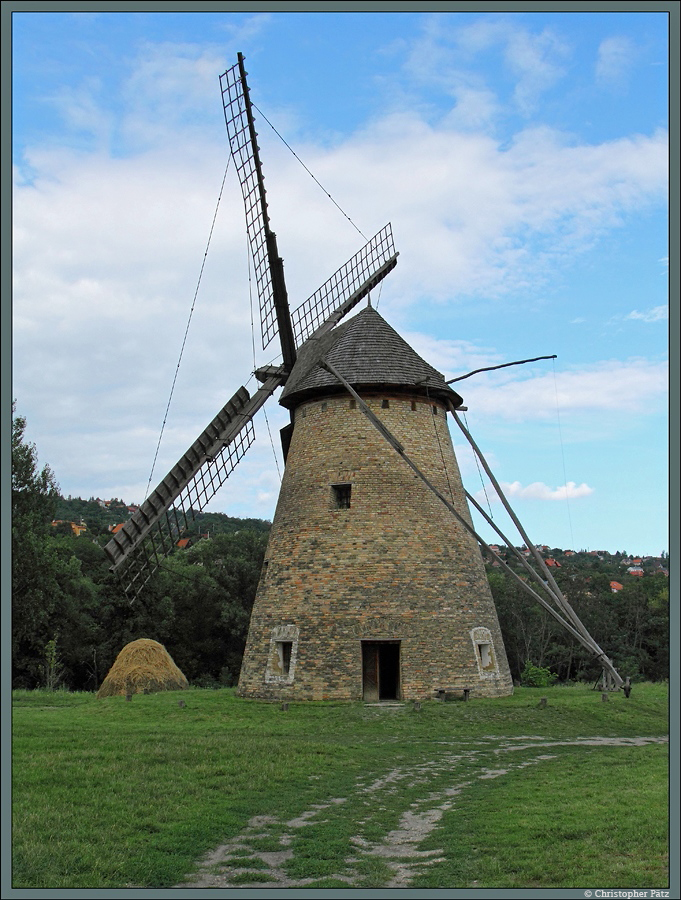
[369,354]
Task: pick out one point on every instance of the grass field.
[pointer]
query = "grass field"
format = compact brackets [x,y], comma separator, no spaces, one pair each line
[222,791]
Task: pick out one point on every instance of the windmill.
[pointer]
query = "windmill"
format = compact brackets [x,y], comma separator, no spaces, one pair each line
[373,584]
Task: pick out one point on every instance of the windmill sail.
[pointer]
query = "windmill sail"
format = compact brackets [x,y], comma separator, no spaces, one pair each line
[347,286]
[152,531]
[269,270]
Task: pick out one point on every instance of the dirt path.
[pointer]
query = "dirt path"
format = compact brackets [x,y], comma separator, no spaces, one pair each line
[258,856]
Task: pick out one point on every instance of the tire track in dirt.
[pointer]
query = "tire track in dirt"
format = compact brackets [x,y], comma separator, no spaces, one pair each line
[240,862]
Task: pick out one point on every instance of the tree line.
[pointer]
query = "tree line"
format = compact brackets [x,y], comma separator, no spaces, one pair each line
[71,617]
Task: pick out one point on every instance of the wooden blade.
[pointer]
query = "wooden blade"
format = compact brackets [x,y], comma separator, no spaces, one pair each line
[275,315]
[153,530]
[346,287]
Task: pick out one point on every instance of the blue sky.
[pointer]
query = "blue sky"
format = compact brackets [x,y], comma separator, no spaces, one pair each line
[521,158]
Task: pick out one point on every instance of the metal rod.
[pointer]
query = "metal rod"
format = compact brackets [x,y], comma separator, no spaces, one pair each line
[567,609]
[560,598]
[279,294]
[392,440]
[518,362]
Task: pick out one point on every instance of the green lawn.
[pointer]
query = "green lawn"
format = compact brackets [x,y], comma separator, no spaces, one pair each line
[109,793]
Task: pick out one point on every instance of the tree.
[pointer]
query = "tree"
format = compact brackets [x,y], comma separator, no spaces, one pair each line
[35,588]
[34,493]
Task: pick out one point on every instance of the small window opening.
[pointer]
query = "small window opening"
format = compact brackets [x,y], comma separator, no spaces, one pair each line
[435,410]
[413,405]
[486,658]
[284,649]
[340,494]
[385,403]
[353,403]
[325,406]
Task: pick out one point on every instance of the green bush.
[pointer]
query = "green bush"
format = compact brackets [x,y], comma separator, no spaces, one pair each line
[536,676]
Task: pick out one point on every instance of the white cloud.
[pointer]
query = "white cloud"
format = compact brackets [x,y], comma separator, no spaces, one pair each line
[107,251]
[615,57]
[630,386]
[252,26]
[656,314]
[442,54]
[538,491]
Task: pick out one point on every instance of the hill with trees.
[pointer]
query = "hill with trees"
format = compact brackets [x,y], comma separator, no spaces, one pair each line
[70,616]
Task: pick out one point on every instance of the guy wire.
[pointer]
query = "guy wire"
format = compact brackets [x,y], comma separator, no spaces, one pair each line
[562,451]
[477,464]
[250,299]
[439,444]
[309,172]
[186,331]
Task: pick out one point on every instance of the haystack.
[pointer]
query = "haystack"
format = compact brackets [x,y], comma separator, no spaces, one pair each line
[142,666]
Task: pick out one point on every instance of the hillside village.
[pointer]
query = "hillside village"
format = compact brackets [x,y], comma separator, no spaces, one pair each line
[99,519]
[66,598]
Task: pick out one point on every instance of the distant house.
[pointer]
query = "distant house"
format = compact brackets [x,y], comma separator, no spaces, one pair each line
[636,562]
[114,529]
[569,553]
[76,527]
[615,586]
[132,509]
[553,564]
[635,570]
[183,543]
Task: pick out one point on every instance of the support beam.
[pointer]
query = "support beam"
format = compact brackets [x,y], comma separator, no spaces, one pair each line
[560,598]
[555,590]
[580,634]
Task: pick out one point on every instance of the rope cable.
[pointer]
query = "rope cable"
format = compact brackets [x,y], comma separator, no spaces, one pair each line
[250,298]
[309,172]
[439,444]
[274,452]
[477,464]
[380,291]
[186,331]
[562,451]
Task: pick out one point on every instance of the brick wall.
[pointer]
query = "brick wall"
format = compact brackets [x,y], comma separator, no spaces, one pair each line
[394,566]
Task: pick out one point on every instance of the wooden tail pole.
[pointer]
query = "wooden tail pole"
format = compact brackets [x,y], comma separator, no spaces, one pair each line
[555,590]
[586,642]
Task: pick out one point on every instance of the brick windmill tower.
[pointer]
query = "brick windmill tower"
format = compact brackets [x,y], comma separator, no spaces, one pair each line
[371,588]
[373,585]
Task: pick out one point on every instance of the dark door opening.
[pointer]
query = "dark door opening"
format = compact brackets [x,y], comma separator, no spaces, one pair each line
[380,670]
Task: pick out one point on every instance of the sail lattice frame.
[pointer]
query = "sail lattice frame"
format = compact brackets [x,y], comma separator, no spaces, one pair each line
[347,286]
[146,557]
[243,149]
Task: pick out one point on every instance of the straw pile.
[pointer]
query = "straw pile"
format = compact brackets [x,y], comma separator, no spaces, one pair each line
[143,666]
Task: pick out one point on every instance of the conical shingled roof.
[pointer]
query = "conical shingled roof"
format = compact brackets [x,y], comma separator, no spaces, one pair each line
[369,354]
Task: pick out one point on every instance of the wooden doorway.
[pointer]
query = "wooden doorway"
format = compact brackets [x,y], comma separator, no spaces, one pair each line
[380,670]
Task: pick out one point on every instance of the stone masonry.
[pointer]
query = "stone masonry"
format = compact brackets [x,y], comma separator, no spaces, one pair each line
[362,555]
